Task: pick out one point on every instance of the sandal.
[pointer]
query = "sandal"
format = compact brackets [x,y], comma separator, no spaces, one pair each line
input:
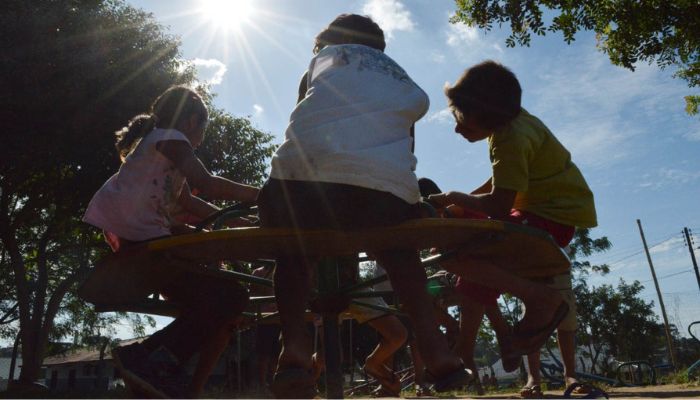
[531,392]
[390,385]
[590,391]
[294,383]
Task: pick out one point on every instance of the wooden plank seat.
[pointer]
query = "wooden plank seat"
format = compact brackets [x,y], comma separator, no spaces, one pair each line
[127,278]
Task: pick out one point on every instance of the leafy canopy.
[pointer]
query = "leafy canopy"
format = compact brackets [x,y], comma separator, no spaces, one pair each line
[628,31]
[73,72]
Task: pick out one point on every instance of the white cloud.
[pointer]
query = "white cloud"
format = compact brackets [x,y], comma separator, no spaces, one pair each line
[443,116]
[669,177]
[693,136]
[461,34]
[258,109]
[470,44]
[391,15]
[672,244]
[437,57]
[600,112]
[209,70]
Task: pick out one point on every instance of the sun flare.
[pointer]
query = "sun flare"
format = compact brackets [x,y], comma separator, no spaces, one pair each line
[227,14]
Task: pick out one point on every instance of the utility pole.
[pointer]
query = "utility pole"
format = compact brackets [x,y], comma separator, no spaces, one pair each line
[669,339]
[689,241]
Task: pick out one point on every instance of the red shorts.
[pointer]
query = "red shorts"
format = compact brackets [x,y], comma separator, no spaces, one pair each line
[562,235]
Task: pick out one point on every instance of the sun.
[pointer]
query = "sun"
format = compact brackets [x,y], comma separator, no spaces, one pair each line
[227,14]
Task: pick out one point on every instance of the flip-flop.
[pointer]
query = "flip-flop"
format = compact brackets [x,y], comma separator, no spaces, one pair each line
[294,383]
[534,339]
[590,391]
[455,380]
[531,392]
[387,384]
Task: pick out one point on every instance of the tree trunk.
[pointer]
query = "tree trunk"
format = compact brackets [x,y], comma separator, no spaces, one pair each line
[13,361]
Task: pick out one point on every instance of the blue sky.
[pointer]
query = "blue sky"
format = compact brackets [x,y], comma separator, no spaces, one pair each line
[627,131]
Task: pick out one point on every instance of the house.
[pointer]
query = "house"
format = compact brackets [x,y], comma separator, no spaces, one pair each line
[5,363]
[582,364]
[82,370]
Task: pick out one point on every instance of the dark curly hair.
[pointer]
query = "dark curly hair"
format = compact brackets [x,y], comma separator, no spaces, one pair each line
[351,29]
[489,92]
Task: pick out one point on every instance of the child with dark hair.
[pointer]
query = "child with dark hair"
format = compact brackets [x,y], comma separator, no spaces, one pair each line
[535,183]
[347,163]
[138,204]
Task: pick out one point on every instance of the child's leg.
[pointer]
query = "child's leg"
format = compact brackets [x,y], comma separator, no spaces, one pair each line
[208,356]
[292,280]
[533,364]
[211,308]
[470,316]
[541,301]
[567,348]
[498,323]
[409,281]
[566,332]
[393,336]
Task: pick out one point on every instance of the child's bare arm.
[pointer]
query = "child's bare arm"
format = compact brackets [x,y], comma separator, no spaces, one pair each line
[496,203]
[215,187]
[195,205]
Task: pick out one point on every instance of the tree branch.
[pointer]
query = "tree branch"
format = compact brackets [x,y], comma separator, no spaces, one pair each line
[8,314]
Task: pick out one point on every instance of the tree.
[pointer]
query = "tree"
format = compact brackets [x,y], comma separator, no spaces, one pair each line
[628,31]
[73,72]
[618,323]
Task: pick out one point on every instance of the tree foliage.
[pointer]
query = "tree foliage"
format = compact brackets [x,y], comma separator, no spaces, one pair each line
[628,31]
[617,323]
[73,72]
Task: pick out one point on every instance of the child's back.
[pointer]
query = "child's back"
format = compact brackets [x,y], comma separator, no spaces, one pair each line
[528,159]
[137,202]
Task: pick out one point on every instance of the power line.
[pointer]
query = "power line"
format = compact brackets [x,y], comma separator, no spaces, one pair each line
[612,263]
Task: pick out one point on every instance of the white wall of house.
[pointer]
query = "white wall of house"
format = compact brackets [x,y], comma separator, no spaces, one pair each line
[5,363]
[81,376]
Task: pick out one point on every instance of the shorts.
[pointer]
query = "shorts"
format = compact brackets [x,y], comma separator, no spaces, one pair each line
[322,205]
[365,314]
[562,235]
[267,340]
[562,283]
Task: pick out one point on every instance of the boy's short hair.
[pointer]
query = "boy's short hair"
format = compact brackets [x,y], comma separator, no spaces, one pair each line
[489,92]
[351,29]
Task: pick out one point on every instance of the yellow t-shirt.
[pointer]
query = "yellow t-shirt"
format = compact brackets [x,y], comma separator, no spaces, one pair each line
[527,158]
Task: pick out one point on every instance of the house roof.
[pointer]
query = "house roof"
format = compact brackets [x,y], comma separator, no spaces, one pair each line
[82,355]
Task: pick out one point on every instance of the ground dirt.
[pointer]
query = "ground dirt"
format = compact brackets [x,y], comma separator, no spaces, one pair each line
[670,391]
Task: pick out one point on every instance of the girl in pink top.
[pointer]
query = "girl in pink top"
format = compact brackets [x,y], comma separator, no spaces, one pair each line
[158,169]
[139,203]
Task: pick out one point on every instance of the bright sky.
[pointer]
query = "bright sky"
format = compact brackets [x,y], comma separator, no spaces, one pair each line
[627,131]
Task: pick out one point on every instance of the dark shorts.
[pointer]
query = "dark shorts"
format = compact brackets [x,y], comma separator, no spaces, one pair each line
[562,235]
[319,205]
[267,341]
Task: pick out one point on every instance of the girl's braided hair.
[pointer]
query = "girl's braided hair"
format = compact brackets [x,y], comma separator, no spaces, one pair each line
[168,111]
